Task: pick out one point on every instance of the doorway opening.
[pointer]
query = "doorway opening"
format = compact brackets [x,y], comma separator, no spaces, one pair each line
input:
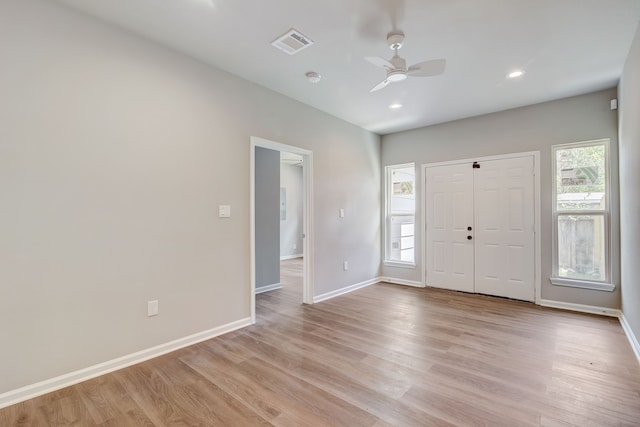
[273,267]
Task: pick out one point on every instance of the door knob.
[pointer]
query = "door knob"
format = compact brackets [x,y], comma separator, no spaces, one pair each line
[469,237]
[469,228]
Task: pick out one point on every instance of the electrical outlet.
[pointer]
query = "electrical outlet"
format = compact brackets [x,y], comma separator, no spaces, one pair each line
[152,308]
[345,265]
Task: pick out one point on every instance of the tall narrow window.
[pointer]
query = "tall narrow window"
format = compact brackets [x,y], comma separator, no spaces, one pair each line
[581,215]
[400,218]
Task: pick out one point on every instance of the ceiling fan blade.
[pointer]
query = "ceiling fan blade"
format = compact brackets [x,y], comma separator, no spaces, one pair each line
[428,68]
[380,85]
[380,62]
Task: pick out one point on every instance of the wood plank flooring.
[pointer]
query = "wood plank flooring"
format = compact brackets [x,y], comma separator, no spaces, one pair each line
[380,356]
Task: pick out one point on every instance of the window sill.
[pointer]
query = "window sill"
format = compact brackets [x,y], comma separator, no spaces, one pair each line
[584,284]
[400,264]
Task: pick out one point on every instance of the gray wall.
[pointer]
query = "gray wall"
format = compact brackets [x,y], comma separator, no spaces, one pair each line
[114,156]
[291,228]
[267,193]
[629,93]
[533,128]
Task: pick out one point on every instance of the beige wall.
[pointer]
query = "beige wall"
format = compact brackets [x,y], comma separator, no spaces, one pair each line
[629,92]
[114,156]
[533,128]
[291,228]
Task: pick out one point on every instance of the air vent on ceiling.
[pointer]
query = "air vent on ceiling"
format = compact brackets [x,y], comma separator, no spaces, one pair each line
[292,42]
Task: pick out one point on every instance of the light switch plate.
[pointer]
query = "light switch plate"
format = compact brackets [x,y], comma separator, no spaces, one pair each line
[152,308]
[224,211]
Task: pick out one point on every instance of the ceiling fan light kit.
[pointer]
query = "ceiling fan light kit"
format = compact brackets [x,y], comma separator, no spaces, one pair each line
[397,76]
[396,67]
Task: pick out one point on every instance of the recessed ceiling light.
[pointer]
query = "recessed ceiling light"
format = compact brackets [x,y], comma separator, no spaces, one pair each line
[313,77]
[395,106]
[515,74]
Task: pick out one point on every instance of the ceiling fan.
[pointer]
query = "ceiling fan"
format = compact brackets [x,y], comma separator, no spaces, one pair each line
[396,67]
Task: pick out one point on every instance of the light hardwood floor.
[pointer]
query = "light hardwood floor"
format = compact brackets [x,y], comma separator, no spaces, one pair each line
[383,355]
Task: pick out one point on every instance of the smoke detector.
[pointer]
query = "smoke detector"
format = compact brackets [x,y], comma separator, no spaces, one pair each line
[313,77]
[292,42]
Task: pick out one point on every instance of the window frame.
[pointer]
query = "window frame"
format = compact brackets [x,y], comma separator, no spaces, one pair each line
[606,284]
[388,172]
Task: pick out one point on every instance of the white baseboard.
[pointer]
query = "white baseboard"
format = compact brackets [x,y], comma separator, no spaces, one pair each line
[592,309]
[268,288]
[285,257]
[345,290]
[401,282]
[38,389]
[635,345]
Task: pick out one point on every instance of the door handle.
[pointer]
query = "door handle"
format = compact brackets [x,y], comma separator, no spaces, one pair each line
[469,228]
[469,237]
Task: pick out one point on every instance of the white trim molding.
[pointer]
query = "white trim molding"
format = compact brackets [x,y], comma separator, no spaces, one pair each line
[286,257]
[47,386]
[403,282]
[398,264]
[483,159]
[345,290]
[390,213]
[307,220]
[635,345]
[592,309]
[268,288]
[583,284]
[608,220]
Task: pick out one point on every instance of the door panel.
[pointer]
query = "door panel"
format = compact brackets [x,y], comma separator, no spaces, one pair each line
[497,200]
[449,211]
[504,228]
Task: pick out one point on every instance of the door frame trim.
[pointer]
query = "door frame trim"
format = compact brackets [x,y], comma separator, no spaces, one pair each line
[537,280]
[307,221]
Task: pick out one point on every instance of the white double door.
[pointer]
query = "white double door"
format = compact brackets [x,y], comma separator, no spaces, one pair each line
[480,227]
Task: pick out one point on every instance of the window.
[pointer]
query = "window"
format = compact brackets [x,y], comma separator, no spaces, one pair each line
[581,215]
[400,215]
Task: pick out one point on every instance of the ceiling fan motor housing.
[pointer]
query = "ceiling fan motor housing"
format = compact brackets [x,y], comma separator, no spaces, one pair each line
[398,63]
[399,71]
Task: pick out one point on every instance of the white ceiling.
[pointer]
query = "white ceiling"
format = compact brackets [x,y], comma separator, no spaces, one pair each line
[566,47]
